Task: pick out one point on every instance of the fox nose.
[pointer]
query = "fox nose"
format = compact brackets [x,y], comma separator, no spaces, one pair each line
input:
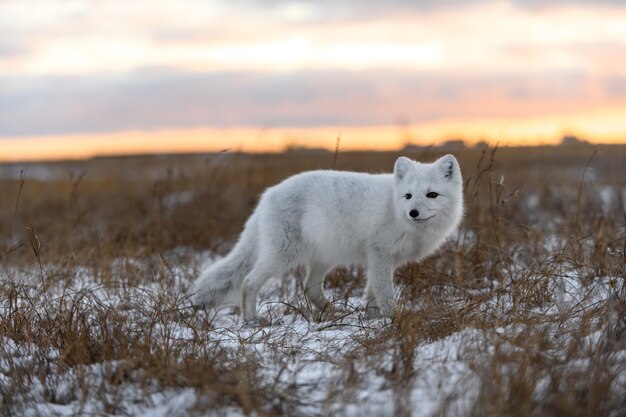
[414,213]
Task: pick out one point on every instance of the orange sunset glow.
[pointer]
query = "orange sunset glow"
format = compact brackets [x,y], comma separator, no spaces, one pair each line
[83,78]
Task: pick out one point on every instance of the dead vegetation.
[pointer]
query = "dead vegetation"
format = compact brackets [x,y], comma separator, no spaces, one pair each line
[522,314]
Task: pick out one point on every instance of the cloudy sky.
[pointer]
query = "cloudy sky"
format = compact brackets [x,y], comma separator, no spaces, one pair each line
[79,77]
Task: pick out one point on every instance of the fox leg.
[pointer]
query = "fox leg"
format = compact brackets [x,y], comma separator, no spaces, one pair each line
[370,298]
[314,285]
[379,277]
[251,286]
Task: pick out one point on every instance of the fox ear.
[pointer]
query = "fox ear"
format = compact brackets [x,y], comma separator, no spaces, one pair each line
[448,166]
[401,167]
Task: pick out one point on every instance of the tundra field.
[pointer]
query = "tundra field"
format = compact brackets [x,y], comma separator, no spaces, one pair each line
[521,313]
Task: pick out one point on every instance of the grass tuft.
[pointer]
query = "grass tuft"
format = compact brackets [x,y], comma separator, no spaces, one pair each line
[520,314]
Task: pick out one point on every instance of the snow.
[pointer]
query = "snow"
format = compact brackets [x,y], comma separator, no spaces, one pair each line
[294,351]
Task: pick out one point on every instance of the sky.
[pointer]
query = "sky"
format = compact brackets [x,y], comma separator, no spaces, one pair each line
[86,77]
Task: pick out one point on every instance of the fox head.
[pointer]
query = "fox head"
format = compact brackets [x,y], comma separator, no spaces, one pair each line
[428,193]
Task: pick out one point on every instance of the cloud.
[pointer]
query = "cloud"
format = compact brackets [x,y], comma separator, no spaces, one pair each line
[10,48]
[148,64]
[615,86]
[348,10]
[162,98]
[115,36]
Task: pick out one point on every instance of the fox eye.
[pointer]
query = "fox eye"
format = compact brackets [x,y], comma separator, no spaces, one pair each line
[432,194]
[408,196]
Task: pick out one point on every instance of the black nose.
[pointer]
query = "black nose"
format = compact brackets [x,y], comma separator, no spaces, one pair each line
[414,213]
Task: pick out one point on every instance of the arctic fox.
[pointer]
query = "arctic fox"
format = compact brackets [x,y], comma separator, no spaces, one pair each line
[322,219]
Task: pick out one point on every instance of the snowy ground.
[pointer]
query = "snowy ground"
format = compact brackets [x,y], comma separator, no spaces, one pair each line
[521,314]
[346,365]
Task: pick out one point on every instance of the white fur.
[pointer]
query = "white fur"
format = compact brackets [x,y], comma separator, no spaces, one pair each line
[322,219]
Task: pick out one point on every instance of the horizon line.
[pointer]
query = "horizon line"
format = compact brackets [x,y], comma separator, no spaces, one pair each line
[567,141]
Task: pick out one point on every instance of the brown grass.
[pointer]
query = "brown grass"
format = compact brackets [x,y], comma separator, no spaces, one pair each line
[95,263]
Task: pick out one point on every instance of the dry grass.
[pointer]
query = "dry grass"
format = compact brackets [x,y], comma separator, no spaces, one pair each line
[527,303]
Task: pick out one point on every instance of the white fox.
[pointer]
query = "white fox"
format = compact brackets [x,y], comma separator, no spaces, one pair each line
[322,219]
